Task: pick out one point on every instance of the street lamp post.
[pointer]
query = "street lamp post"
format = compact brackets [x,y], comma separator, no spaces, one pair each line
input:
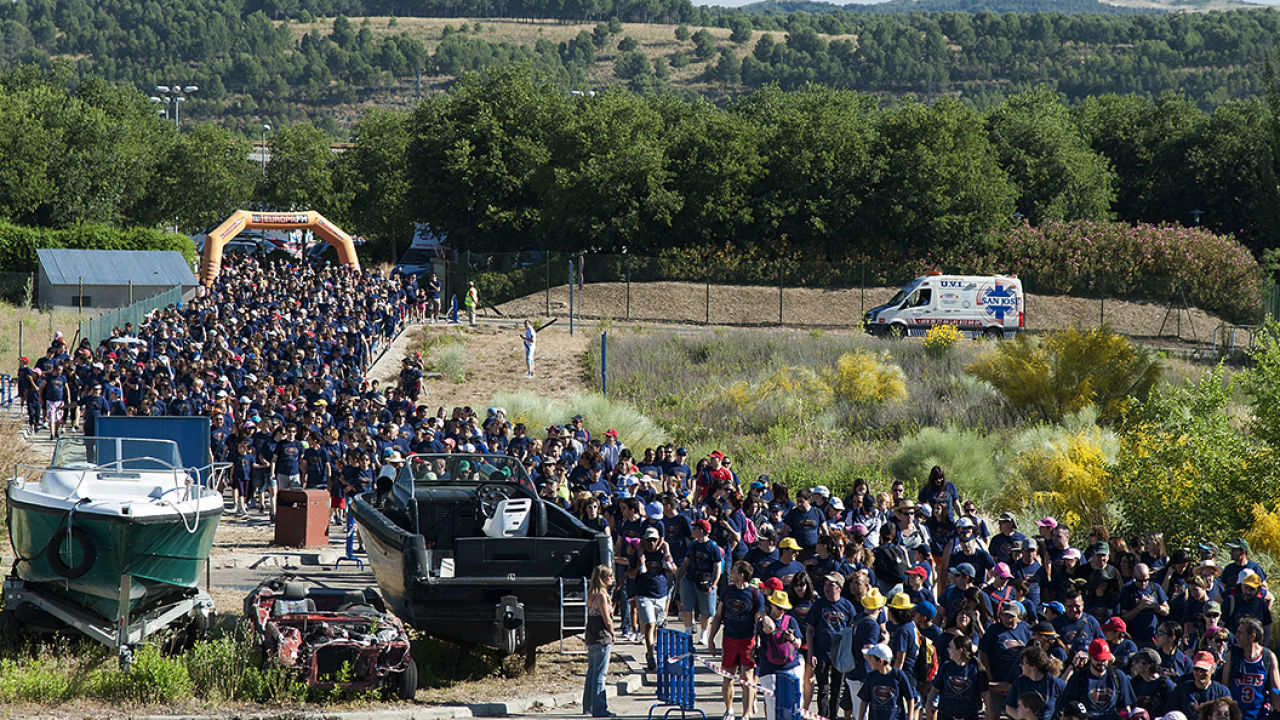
[163,102]
[177,91]
[1196,215]
[262,151]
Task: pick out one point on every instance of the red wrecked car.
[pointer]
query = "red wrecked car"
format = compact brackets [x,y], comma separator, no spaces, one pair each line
[335,638]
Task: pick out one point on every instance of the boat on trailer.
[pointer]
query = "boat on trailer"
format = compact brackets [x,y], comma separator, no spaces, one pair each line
[111,539]
[463,549]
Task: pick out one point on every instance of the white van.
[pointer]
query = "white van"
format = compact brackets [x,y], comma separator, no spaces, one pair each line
[990,305]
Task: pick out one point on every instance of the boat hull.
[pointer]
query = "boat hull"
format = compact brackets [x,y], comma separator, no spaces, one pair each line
[470,608]
[157,553]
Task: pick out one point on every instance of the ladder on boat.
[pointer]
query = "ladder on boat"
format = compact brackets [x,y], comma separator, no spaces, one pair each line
[573,611]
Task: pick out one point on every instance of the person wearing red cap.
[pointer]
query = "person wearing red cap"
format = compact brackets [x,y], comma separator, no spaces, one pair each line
[1105,692]
[1116,631]
[698,577]
[1201,688]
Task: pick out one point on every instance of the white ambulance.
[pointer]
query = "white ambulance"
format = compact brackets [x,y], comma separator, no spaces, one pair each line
[989,305]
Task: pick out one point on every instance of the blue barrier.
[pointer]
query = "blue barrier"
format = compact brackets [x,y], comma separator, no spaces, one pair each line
[674,654]
[786,697]
[7,390]
[351,541]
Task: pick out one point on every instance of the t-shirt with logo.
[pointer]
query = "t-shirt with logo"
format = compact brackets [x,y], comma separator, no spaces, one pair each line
[679,533]
[761,561]
[1003,647]
[288,456]
[960,689]
[740,609]
[804,526]
[652,583]
[1077,634]
[826,618]
[885,694]
[782,571]
[1103,697]
[1049,687]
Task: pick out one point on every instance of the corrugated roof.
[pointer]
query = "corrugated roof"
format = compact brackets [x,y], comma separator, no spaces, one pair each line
[115,267]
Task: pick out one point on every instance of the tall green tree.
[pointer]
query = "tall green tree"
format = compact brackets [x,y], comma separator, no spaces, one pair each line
[300,171]
[1058,176]
[204,176]
[373,176]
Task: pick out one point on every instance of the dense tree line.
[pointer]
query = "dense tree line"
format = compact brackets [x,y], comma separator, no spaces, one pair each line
[251,67]
[507,161]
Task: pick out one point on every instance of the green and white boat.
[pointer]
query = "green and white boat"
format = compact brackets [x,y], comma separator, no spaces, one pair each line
[113,530]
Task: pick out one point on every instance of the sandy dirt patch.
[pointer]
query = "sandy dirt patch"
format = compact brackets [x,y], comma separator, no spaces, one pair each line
[695,303]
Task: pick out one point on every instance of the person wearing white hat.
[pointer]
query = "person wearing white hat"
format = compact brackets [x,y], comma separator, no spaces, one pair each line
[887,693]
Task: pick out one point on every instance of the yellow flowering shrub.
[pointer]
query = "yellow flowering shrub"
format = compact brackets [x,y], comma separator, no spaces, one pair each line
[788,391]
[864,378]
[1060,471]
[939,340]
[1265,534]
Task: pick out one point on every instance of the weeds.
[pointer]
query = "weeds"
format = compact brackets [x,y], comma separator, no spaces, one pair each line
[451,362]
[599,414]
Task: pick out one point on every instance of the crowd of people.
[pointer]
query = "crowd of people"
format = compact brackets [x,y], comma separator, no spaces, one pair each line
[892,607]
[884,606]
[274,354]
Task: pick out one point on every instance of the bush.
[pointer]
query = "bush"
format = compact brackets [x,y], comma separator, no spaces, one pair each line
[964,455]
[866,379]
[451,362]
[1070,370]
[18,243]
[627,44]
[1185,471]
[34,680]
[152,678]
[682,32]
[940,339]
[679,59]
[1264,534]
[1150,262]
[599,414]
[1060,470]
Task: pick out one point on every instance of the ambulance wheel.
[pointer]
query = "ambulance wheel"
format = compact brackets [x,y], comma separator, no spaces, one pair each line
[897,332]
[993,333]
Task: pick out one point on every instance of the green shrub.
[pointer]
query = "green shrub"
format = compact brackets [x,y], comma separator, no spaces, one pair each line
[18,243]
[153,678]
[1070,370]
[964,455]
[34,680]
[451,361]
[682,32]
[627,44]
[1183,469]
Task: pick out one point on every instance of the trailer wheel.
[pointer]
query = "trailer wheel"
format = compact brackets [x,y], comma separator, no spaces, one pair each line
[53,552]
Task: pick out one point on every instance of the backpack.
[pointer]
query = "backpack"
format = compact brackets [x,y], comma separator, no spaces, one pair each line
[927,659]
[749,533]
[842,658]
[776,650]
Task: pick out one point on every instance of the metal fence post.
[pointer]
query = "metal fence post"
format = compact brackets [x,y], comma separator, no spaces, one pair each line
[1102,298]
[570,298]
[862,285]
[708,317]
[626,269]
[779,292]
[548,313]
[604,363]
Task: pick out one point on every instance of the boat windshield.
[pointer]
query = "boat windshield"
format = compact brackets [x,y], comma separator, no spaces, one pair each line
[121,454]
[458,469]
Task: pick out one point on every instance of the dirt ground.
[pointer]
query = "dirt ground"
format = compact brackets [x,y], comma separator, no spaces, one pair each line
[694,303]
[496,361]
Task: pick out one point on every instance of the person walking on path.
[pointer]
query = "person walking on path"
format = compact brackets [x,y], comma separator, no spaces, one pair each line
[471,300]
[530,337]
[599,641]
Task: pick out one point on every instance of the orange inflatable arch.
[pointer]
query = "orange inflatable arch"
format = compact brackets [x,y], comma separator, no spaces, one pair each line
[211,262]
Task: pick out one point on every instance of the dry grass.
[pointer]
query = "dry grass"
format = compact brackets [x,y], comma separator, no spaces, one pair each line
[14,450]
[37,329]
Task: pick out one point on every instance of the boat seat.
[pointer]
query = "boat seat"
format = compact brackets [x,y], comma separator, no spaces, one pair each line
[511,518]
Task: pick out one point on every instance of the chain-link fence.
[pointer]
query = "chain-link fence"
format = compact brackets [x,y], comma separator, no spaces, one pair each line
[725,290]
[99,328]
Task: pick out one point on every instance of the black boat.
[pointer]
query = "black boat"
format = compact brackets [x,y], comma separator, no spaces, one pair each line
[465,550]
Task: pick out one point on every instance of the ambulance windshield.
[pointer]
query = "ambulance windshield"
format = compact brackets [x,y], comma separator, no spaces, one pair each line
[905,292]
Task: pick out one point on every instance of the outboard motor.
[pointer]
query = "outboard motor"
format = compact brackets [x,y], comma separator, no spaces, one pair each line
[508,624]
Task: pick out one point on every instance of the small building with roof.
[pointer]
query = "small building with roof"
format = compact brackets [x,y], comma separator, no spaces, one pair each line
[107,279]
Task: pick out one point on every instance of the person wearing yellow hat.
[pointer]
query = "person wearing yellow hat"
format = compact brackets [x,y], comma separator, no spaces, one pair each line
[866,632]
[902,633]
[786,565]
[779,646]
